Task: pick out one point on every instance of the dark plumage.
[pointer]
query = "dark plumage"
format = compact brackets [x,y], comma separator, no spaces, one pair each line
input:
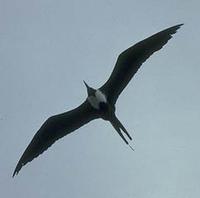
[126,66]
[130,60]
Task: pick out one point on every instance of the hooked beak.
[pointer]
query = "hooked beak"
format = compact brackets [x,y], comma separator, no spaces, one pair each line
[88,88]
[86,85]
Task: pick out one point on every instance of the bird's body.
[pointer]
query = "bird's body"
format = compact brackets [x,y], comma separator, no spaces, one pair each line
[100,103]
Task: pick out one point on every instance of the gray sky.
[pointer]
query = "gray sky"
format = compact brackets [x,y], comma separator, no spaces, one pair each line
[48,47]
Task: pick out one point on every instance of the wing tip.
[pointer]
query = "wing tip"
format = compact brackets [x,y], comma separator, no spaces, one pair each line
[17,169]
[15,173]
[170,30]
[176,27]
[180,24]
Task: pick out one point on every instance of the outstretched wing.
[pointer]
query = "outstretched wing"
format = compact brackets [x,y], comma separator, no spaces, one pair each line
[54,128]
[130,61]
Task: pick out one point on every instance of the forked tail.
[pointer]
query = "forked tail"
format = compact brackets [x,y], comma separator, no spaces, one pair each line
[119,128]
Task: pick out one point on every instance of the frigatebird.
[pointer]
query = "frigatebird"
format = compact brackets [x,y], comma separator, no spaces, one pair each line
[100,103]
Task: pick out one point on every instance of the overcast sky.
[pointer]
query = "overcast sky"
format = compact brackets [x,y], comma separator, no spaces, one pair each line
[47,49]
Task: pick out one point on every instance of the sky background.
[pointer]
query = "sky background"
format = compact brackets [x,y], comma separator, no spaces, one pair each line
[47,49]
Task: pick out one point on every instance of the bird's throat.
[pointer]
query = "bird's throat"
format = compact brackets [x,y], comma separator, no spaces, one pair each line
[96,99]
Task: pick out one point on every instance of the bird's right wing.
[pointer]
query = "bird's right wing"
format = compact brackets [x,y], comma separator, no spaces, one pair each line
[54,128]
[130,61]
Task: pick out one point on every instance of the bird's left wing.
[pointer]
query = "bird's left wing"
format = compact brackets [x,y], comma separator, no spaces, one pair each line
[131,59]
[54,128]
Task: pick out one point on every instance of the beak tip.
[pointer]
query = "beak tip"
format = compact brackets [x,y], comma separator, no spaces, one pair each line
[85,83]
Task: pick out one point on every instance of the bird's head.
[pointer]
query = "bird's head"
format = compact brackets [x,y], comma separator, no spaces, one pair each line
[90,90]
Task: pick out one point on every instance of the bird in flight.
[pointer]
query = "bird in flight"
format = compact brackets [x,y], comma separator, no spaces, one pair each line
[100,103]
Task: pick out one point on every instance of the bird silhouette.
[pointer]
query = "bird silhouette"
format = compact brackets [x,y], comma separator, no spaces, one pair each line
[100,103]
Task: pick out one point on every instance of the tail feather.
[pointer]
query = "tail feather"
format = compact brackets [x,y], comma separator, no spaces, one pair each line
[118,127]
[123,128]
[119,131]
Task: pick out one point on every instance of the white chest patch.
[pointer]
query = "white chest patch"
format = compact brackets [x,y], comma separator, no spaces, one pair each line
[95,100]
